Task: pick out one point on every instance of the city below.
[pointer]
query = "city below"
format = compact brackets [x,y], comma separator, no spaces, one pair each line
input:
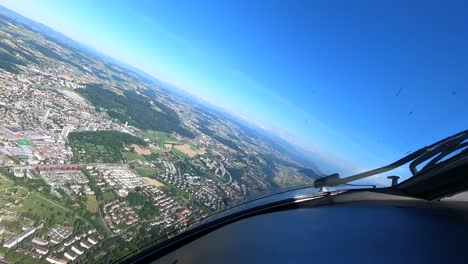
[98,162]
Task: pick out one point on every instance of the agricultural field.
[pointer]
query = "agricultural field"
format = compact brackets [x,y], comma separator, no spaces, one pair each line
[137,149]
[146,172]
[189,150]
[157,137]
[92,204]
[178,153]
[129,156]
[153,182]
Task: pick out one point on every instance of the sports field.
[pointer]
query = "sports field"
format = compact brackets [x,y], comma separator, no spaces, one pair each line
[23,142]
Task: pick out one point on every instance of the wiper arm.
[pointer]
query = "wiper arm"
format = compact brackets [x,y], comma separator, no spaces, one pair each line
[438,150]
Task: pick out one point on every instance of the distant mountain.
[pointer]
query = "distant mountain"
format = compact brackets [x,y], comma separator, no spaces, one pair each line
[41,28]
[64,40]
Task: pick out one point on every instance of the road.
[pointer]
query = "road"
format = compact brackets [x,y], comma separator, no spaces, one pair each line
[101,218]
[15,187]
[5,178]
[62,165]
[54,203]
[230,178]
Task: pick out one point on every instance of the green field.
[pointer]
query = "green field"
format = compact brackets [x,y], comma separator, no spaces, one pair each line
[108,196]
[23,142]
[13,193]
[5,184]
[129,156]
[43,209]
[146,172]
[21,207]
[157,109]
[179,153]
[15,257]
[158,137]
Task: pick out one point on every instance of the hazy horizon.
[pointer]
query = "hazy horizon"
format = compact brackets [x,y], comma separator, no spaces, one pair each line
[303,72]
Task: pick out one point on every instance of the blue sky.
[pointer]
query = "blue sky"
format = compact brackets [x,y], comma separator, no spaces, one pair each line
[359,83]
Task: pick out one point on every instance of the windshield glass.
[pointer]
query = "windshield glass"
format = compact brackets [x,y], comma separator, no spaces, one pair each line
[124,123]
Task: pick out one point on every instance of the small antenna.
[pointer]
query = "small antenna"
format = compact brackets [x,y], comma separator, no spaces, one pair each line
[394,179]
[323,189]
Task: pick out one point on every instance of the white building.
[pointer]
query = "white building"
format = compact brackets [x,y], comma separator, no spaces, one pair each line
[56,260]
[77,250]
[70,255]
[40,241]
[40,249]
[92,240]
[18,238]
[85,245]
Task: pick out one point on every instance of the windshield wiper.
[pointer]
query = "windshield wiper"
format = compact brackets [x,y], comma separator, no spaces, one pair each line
[436,152]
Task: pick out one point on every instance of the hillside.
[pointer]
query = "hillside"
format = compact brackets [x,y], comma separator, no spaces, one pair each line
[134,109]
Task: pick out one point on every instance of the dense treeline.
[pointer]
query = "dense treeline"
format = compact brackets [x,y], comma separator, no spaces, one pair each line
[112,143]
[8,62]
[20,51]
[236,173]
[147,210]
[136,199]
[135,109]
[106,138]
[205,130]
[9,58]
[9,67]
[227,142]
